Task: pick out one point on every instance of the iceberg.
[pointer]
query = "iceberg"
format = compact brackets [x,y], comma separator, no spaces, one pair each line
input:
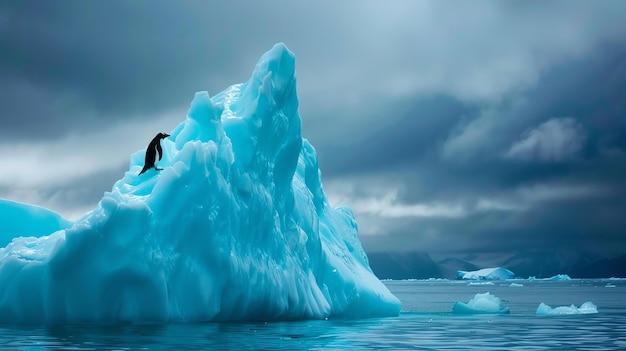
[559,277]
[586,308]
[480,304]
[497,273]
[235,227]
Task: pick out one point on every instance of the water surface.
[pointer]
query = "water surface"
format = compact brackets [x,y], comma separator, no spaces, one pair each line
[426,323]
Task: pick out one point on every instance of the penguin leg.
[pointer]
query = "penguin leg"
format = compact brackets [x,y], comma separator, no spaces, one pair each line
[158,169]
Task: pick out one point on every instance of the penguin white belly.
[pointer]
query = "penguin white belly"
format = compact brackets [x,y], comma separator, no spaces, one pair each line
[157,157]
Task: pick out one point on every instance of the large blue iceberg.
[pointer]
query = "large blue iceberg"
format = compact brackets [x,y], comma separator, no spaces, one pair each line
[236,227]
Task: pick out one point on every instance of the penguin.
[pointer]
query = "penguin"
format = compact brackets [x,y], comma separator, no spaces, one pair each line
[153,149]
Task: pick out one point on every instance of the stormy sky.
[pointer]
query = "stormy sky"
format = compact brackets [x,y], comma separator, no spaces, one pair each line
[449,127]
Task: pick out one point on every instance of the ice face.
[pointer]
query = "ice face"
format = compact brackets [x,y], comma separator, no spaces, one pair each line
[18,219]
[586,308]
[497,273]
[236,227]
[480,304]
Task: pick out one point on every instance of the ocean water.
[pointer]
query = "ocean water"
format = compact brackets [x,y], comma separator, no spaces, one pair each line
[425,323]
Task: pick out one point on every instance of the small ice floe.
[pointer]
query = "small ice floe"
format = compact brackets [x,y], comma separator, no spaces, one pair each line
[436,280]
[586,308]
[559,277]
[480,304]
[497,273]
[609,285]
[480,283]
[516,285]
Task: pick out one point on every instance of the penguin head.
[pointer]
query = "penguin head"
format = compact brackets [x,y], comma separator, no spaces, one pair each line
[163,135]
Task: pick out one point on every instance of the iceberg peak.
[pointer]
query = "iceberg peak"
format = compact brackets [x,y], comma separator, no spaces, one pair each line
[235,227]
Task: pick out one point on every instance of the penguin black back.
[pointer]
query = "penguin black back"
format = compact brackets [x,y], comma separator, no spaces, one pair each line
[151,153]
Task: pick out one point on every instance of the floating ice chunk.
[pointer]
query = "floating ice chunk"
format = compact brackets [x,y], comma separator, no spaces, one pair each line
[609,285]
[516,285]
[235,227]
[480,304]
[586,308]
[497,273]
[480,283]
[559,277]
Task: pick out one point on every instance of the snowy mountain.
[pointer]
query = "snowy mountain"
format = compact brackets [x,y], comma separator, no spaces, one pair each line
[403,265]
[544,264]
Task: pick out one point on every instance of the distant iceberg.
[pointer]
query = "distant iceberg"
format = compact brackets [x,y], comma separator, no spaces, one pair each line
[586,308]
[497,273]
[236,227]
[480,304]
[559,277]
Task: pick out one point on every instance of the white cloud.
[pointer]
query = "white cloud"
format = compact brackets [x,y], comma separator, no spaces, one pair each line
[498,204]
[555,140]
[543,193]
[388,207]
[471,140]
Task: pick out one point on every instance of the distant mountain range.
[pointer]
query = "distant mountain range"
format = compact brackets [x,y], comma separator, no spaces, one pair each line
[544,264]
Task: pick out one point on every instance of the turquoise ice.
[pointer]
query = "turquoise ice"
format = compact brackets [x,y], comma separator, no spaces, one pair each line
[586,308]
[236,227]
[18,219]
[481,304]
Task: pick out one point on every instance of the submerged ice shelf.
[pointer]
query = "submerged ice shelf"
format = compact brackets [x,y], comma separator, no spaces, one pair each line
[236,227]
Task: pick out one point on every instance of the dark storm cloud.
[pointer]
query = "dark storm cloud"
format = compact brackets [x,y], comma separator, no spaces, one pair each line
[119,59]
[394,136]
[89,62]
[565,190]
[429,176]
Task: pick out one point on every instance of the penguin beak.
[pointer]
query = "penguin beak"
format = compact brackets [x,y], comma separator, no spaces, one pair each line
[166,135]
